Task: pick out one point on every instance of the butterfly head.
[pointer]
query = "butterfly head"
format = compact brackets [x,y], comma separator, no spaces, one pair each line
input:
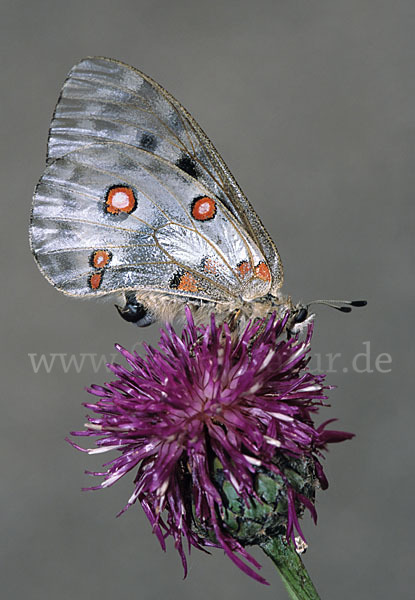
[299,320]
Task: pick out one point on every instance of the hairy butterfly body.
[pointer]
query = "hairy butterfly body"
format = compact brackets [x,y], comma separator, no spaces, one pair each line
[135,203]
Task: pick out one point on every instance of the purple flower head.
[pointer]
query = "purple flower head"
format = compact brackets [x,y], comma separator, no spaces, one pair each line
[207,419]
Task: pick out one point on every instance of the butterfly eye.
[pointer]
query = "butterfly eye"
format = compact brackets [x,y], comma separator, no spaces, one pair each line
[134,312]
[301,315]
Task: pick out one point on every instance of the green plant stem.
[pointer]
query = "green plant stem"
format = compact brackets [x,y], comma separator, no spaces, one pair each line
[291,568]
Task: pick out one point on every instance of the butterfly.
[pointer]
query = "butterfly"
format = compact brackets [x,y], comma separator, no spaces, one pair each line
[137,205]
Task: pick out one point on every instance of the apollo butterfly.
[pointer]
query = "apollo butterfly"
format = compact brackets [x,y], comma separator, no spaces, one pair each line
[136,204]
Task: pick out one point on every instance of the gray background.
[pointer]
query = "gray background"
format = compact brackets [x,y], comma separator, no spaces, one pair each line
[312,106]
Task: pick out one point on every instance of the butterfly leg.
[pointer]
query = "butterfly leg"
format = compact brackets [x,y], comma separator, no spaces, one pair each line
[233,319]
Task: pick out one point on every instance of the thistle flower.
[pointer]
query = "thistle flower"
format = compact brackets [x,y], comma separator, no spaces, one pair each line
[219,433]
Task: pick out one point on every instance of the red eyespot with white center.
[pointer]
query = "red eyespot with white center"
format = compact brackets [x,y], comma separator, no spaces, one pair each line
[203,208]
[120,199]
[100,258]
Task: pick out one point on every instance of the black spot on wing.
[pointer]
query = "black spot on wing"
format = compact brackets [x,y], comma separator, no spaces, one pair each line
[148,142]
[175,280]
[186,164]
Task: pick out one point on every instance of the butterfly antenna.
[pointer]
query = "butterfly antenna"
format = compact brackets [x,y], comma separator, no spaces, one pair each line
[341,305]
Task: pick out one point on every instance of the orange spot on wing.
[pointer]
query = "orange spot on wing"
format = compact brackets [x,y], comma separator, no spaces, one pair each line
[95,281]
[100,258]
[243,268]
[120,199]
[187,283]
[203,208]
[209,266]
[262,272]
